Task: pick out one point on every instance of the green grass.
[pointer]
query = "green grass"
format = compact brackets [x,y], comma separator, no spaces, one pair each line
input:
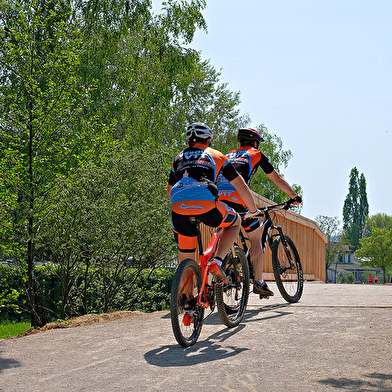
[8,329]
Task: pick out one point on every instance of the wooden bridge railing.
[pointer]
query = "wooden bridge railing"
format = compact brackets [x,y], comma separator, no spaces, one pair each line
[307,236]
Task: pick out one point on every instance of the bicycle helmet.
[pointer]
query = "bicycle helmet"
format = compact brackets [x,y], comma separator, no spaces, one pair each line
[249,135]
[198,130]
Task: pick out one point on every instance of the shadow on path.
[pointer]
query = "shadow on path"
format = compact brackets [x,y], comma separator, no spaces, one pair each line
[6,363]
[210,349]
[377,382]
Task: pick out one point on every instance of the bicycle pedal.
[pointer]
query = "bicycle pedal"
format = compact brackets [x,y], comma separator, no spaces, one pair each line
[264,296]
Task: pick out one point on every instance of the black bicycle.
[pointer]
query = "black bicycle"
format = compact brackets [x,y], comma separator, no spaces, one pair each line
[286,262]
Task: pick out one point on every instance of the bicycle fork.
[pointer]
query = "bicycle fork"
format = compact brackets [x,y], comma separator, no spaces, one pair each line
[286,249]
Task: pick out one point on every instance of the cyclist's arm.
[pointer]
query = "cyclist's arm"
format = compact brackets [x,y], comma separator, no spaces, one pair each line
[244,192]
[279,181]
[169,188]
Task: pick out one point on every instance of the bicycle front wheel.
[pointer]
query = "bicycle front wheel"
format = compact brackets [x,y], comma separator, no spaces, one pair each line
[186,316]
[287,268]
[232,298]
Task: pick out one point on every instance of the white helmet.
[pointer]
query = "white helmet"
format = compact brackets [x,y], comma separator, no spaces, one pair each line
[199,131]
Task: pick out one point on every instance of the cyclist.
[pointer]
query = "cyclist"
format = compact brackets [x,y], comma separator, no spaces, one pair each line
[193,192]
[246,160]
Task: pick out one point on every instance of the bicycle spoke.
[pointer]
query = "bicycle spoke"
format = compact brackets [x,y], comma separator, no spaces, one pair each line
[186,315]
[232,297]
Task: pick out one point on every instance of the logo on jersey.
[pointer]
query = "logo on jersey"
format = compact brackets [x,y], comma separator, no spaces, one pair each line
[193,154]
[225,193]
[184,206]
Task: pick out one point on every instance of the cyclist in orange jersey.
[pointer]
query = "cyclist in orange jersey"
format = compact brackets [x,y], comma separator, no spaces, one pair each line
[246,160]
[193,192]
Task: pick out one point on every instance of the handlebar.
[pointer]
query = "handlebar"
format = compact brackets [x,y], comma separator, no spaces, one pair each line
[284,206]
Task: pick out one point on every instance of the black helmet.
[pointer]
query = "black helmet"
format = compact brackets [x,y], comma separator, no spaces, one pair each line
[249,135]
[198,131]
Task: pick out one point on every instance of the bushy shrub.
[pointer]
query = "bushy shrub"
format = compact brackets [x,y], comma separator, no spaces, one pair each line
[147,290]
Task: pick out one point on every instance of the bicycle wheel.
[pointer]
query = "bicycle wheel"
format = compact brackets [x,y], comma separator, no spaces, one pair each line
[287,269]
[232,298]
[186,316]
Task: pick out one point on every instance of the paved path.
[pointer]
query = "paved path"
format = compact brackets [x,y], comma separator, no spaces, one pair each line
[337,338]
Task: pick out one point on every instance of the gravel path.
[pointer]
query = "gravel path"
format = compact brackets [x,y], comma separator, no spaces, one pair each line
[337,338]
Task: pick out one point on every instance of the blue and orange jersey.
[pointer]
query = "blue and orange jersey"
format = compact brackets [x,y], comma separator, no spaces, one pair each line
[246,160]
[194,174]
[201,163]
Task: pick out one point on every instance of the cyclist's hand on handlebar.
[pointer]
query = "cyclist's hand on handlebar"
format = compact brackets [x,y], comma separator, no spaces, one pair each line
[253,214]
[294,201]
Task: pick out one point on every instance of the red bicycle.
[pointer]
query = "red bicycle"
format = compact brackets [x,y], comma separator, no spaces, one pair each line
[195,289]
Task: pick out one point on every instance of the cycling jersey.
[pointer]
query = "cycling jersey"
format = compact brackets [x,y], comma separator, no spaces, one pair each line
[194,192]
[201,163]
[246,160]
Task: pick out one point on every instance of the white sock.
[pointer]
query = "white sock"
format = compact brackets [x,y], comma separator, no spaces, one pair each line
[261,281]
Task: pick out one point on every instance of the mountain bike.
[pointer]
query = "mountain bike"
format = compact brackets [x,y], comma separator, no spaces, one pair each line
[194,290]
[286,262]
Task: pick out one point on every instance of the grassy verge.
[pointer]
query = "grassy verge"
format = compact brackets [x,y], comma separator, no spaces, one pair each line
[8,329]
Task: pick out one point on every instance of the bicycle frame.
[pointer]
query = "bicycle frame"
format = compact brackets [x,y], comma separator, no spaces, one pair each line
[205,256]
[266,226]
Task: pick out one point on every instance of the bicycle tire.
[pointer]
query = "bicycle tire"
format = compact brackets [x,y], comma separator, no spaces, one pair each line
[232,298]
[289,280]
[186,323]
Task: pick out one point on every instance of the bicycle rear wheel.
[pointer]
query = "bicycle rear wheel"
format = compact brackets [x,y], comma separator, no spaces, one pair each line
[287,268]
[186,316]
[232,298]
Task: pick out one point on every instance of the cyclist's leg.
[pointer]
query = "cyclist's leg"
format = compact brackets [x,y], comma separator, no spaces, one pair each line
[253,232]
[185,235]
[186,240]
[231,224]
[229,235]
[256,252]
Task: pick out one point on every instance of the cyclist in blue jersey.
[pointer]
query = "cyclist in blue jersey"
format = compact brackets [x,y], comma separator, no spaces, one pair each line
[246,160]
[193,192]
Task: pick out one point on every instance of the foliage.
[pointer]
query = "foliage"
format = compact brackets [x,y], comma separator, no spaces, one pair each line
[348,278]
[273,148]
[111,216]
[381,221]
[333,249]
[40,100]
[146,289]
[140,67]
[12,299]
[376,250]
[355,209]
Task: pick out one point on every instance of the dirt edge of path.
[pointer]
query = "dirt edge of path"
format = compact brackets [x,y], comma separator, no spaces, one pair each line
[79,321]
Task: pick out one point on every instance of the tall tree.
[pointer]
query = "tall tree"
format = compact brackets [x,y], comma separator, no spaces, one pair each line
[139,64]
[40,102]
[355,209]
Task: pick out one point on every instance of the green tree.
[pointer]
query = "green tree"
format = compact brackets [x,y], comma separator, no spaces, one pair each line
[40,101]
[381,221]
[355,209]
[333,249]
[376,250]
[112,217]
[140,65]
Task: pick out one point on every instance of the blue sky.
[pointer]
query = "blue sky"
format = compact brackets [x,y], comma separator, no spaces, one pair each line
[319,75]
